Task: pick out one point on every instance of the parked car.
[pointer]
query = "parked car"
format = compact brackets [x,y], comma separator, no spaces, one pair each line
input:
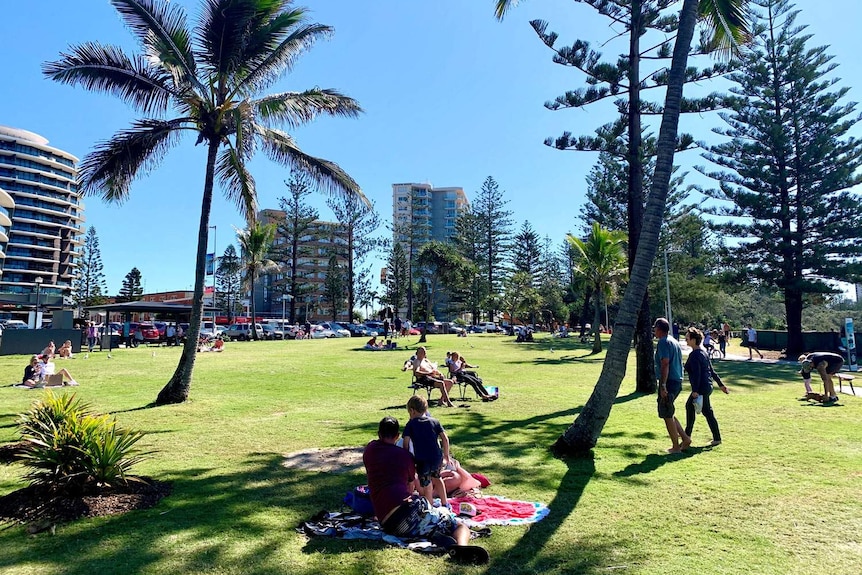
[290,331]
[242,331]
[476,329]
[433,326]
[374,325]
[272,332]
[209,329]
[15,324]
[357,330]
[150,332]
[336,328]
[452,327]
[488,327]
[320,332]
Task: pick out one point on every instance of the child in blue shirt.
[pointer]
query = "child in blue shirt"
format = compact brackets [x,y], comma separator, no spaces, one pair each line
[424,432]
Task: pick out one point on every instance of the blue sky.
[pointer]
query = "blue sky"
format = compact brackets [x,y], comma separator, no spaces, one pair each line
[451,96]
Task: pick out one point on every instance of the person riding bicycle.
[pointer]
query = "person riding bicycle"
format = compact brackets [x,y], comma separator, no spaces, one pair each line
[707,343]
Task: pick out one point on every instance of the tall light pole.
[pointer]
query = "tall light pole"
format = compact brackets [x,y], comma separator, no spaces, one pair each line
[38,320]
[667,285]
[215,237]
[284,298]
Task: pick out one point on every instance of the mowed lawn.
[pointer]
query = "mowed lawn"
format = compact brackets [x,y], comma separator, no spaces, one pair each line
[781,495]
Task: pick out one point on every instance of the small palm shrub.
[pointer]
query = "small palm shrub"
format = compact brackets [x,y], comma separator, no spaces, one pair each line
[67,448]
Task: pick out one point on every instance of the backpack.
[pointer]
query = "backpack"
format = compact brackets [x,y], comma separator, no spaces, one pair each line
[359,500]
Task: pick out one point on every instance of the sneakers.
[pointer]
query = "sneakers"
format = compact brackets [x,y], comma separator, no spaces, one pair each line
[471,554]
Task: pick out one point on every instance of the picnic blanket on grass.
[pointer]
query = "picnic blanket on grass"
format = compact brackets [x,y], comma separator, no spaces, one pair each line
[490,510]
[494,510]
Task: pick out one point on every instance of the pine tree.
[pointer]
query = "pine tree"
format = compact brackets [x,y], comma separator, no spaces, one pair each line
[526,252]
[468,241]
[90,287]
[229,282]
[335,285]
[132,289]
[297,231]
[397,277]
[359,220]
[790,166]
[495,226]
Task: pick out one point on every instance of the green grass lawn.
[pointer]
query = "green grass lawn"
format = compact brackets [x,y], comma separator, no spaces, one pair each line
[780,496]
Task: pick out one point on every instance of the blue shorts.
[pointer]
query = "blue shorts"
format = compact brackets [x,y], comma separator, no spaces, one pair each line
[416,518]
[426,470]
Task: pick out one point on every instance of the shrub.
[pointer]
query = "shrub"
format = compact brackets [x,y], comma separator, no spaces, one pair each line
[67,448]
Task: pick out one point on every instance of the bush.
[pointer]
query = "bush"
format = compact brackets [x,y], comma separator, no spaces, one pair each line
[69,449]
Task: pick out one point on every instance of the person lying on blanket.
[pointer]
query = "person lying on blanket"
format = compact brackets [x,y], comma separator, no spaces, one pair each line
[390,471]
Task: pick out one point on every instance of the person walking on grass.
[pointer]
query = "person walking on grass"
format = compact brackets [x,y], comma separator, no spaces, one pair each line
[668,366]
[430,448]
[700,375]
[390,471]
[751,340]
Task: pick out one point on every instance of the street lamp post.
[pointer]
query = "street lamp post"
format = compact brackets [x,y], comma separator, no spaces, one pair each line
[667,285]
[284,299]
[38,281]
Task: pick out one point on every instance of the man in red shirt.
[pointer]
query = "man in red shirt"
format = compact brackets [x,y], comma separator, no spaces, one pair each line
[390,471]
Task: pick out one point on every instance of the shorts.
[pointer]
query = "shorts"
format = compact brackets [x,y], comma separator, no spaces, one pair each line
[426,470]
[416,518]
[666,409]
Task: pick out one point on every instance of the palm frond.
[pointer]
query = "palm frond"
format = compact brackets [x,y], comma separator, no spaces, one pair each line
[503,6]
[270,54]
[281,148]
[161,28]
[298,108]
[112,166]
[224,29]
[108,69]
[727,22]
[237,182]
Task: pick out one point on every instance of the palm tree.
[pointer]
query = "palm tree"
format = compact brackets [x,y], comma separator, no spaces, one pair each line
[726,20]
[211,77]
[255,244]
[601,260]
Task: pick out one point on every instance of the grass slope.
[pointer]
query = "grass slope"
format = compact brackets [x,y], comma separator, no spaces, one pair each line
[780,496]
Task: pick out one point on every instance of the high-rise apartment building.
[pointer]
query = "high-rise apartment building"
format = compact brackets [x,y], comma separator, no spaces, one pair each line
[424,213]
[319,243]
[41,216]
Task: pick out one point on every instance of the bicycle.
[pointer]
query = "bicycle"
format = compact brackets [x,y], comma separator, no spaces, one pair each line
[713,352]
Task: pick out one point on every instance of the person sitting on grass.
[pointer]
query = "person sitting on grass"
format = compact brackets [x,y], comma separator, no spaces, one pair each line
[373,343]
[40,373]
[390,470]
[49,350]
[65,350]
[423,432]
[218,344]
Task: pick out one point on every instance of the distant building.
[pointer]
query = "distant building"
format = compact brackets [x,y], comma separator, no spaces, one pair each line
[858,292]
[430,213]
[41,217]
[312,269]
[422,213]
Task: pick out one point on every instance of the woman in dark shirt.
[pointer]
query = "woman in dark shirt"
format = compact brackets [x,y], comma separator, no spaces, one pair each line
[700,375]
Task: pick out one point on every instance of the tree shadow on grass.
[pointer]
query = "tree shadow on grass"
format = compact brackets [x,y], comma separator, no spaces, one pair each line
[214,521]
[655,460]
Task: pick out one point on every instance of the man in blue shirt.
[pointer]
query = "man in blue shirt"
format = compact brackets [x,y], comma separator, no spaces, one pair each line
[668,368]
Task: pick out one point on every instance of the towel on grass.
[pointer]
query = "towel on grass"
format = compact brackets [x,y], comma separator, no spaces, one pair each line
[494,510]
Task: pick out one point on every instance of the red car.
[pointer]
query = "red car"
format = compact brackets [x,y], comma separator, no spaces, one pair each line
[150,332]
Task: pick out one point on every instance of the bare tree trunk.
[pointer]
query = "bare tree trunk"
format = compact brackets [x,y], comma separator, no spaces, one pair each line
[177,388]
[582,435]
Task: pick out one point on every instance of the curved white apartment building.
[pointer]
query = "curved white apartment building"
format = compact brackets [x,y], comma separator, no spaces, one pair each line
[41,216]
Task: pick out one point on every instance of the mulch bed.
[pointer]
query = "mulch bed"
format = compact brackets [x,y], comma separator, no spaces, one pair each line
[39,507]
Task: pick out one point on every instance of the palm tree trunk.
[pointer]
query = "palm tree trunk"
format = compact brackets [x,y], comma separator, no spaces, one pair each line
[251,302]
[177,388]
[597,318]
[582,435]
